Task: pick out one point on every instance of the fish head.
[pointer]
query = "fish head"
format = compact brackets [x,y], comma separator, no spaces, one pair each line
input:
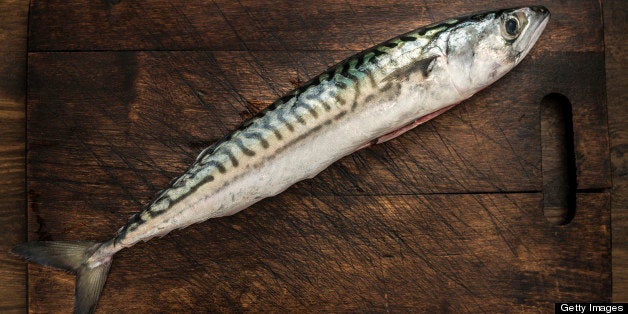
[486,46]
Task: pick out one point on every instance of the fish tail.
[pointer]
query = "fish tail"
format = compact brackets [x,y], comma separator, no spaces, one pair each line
[71,257]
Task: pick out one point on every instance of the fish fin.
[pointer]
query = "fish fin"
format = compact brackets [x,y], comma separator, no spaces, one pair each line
[424,66]
[389,136]
[89,284]
[71,257]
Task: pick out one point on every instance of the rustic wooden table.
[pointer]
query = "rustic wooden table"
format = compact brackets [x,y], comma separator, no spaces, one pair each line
[122,95]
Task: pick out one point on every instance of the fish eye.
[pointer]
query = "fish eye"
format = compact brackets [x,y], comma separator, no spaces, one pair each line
[512,25]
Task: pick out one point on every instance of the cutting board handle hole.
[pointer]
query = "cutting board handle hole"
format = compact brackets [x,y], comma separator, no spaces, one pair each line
[558,159]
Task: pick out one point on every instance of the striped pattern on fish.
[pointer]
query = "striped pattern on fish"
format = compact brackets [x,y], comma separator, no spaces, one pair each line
[366,99]
[328,99]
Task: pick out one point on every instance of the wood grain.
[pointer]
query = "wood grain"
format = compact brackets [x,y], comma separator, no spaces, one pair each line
[279,25]
[13,21]
[616,22]
[449,213]
[336,253]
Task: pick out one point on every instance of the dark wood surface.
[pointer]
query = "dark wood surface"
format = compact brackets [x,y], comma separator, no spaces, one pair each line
[279,25]
[447,214]
[616,17]
[13,286]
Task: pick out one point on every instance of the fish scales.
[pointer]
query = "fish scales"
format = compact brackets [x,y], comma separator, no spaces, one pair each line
[318,104]
[353,81]
[366,99]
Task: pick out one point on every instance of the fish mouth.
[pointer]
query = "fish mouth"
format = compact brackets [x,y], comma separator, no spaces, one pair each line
[540,17]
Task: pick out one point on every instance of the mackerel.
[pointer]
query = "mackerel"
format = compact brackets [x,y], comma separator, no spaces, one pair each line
[366,99]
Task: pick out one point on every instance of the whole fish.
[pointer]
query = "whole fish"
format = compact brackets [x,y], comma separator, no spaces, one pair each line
[366,99]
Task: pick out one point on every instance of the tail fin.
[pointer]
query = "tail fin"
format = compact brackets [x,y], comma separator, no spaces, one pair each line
[71,257]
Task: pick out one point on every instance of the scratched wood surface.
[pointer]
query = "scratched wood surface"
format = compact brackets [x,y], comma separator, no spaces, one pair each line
[446,216]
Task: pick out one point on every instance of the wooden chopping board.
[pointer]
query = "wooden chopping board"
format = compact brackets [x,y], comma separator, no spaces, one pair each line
[122,95]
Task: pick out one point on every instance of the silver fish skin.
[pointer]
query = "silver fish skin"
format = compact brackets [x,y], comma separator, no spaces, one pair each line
[366,99]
